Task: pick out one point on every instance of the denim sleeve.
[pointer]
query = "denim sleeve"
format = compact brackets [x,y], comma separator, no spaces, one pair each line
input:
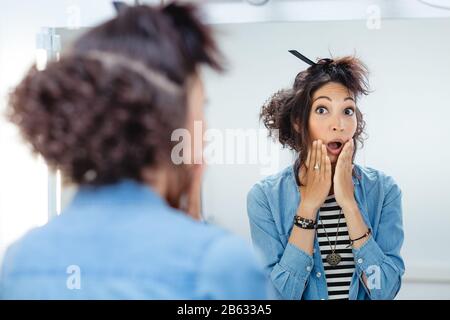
[230,270]
[6,289]
[2,280]
[379,258]
[288,267]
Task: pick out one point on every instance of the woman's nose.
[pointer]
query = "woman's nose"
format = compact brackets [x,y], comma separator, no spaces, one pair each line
[338,125]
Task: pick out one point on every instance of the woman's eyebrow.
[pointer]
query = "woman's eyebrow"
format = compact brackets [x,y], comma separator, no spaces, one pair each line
[322,97]
[328,98]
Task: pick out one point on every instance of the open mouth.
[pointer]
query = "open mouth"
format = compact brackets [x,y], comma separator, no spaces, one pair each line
[334,147]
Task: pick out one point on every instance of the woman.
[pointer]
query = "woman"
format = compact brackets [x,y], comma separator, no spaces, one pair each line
[328,228]
[104,115]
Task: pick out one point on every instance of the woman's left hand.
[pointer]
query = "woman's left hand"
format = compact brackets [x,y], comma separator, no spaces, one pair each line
[343,183]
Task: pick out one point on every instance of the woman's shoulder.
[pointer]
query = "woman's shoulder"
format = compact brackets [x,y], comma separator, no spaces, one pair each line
[282,181]
[374,178]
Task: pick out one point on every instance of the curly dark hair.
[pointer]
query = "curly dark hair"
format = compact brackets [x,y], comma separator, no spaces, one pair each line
[292,106]
[107,108]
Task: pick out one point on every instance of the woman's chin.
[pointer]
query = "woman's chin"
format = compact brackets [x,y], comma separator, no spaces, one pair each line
[333,159]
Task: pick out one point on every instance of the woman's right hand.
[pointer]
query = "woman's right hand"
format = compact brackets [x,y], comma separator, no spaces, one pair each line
[317,183]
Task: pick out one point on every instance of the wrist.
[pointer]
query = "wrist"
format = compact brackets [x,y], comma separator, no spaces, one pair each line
[308,212]
[350,206]
[305,223]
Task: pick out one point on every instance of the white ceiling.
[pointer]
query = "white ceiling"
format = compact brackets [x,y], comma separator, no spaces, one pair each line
[240,11]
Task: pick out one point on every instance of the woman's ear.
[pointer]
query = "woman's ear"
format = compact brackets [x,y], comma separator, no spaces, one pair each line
[296,127]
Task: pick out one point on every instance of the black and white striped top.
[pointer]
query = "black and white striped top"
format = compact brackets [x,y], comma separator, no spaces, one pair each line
[338,277]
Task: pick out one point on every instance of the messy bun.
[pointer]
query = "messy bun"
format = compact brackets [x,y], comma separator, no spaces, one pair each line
[95,124]
[107,108]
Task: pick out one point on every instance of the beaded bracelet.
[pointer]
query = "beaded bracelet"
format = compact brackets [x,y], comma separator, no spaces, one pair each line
[368,233]
[305,223]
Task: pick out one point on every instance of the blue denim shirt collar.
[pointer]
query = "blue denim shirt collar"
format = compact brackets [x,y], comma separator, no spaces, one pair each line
[354,178]
[125,192]
[358,191]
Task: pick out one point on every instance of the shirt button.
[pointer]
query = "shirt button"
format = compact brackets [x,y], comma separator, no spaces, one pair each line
[314,250]
[318,274]
[308,268]
[360,260]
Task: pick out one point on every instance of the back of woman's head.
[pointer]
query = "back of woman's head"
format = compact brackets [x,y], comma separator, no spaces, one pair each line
[107,108]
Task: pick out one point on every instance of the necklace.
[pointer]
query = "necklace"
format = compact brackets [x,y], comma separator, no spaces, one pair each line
[333,258]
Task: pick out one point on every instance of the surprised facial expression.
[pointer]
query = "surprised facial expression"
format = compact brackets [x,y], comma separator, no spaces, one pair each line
[332,118]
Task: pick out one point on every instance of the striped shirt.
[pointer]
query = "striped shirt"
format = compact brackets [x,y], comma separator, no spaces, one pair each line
[338,277]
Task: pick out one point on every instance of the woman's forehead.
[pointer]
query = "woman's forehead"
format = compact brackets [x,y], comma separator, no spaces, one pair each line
[333,91]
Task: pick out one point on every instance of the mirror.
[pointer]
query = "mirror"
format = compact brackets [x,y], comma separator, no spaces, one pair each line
[406,51]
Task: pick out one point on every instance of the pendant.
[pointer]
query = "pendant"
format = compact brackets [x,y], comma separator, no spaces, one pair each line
[333,259]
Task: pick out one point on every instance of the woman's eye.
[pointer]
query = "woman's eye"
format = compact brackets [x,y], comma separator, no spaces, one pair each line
[321,110]
[349,111]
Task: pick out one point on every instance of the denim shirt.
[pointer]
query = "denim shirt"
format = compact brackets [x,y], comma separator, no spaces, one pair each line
[124,242]
[272,204]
